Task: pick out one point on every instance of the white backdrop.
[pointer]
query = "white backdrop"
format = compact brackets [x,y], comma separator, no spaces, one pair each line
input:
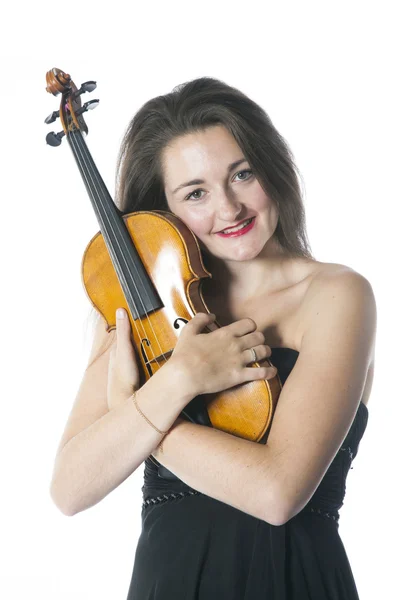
[327,75]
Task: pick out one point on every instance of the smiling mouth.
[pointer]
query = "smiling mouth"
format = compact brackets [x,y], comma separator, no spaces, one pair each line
[237,227]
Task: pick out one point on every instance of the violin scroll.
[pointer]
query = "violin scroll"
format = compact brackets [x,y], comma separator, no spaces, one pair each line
[71,108]
[58,82]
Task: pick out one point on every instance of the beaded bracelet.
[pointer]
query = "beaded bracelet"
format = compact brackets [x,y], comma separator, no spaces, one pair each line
[149,422]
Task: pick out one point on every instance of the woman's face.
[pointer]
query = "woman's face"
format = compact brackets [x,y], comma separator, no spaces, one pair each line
[225,193]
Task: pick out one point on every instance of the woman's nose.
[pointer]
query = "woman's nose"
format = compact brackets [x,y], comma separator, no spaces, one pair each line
[228,206]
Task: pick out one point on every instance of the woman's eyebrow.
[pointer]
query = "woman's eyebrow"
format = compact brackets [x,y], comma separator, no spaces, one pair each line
[198,181]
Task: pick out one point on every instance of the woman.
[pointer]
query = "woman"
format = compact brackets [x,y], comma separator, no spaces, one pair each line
[224,517]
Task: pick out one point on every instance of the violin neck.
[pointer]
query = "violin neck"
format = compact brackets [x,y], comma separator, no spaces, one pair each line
[136,284]
[104,207]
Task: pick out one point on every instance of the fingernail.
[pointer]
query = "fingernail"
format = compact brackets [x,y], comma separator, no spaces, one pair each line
[120,313]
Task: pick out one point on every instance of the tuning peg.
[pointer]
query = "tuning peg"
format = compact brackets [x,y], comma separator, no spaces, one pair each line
[90,105]
[54,139]
[54,115]
[88,86]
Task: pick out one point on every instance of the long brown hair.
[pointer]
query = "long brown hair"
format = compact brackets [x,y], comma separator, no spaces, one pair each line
[194,106]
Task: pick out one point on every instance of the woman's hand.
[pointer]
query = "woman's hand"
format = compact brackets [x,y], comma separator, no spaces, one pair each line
[217,360]
[123,371]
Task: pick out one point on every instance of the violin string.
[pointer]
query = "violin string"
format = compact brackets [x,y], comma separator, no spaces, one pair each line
[76,146]
[81,160]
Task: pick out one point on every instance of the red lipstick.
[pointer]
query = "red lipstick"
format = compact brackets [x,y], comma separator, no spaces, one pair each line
[240,231]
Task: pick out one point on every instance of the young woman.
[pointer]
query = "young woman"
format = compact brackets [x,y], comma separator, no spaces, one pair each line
[224,517]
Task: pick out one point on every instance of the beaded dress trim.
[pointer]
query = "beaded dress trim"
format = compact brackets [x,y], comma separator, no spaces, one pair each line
[174,495]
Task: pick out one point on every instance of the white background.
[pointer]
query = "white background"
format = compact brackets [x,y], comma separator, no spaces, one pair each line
[327,75]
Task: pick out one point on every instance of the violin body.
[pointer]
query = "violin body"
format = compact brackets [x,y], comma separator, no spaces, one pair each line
[150,263]
[172,257]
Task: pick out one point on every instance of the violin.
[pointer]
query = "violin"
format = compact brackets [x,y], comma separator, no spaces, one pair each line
[150,263]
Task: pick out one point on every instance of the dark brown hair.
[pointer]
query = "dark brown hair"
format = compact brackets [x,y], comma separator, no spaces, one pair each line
[192,107]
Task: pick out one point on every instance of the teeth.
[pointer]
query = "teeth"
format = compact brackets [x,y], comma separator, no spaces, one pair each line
[238,227]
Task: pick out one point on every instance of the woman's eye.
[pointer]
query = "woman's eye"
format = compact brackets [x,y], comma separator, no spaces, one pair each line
[247,171]
[189,197]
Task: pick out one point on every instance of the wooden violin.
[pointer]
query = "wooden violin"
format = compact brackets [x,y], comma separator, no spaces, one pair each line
[150,263]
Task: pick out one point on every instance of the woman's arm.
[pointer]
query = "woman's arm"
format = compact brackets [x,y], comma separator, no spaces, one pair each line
[315,410]
[102,456]
[230,469]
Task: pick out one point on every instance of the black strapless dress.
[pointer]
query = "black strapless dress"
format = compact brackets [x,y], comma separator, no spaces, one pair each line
[193,547]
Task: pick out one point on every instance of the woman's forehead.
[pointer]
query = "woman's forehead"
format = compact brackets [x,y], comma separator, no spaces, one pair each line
[193,153]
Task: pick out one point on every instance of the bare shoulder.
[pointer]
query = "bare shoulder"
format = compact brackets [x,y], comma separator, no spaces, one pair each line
[334,281]
[336,353]
[333,275]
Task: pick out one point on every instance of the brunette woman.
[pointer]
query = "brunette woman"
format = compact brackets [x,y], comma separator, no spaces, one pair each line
[224,517]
